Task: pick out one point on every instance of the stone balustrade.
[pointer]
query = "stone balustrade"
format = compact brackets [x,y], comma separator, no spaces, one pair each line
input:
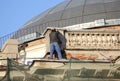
[92,40]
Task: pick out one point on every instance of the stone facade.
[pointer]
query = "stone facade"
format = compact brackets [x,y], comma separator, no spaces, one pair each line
[92,43]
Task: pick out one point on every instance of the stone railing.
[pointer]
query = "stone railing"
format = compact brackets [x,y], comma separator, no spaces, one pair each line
[92,39]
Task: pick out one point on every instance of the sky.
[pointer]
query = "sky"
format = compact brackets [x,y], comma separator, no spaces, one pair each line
[15,13]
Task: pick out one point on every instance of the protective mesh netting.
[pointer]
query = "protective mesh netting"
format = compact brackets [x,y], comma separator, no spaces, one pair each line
[19,72]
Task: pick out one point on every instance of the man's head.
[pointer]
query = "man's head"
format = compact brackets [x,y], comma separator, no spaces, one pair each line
[53,29]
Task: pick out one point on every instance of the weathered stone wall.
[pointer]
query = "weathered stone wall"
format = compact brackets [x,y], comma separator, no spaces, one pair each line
[35,49]
[95,43]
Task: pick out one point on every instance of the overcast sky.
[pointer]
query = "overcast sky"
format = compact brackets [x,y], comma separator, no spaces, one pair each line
[15,13]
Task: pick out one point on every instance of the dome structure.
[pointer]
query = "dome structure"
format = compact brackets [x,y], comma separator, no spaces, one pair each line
[71,12]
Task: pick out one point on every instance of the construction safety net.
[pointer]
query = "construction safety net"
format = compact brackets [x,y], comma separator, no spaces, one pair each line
[68,71]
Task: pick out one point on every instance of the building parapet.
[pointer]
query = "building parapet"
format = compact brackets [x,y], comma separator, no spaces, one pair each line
[93,40]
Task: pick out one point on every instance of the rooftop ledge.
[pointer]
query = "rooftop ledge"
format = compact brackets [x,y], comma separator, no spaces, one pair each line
[94,24]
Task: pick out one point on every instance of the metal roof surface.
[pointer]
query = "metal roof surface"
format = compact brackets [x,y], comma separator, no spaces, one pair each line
[72,12]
